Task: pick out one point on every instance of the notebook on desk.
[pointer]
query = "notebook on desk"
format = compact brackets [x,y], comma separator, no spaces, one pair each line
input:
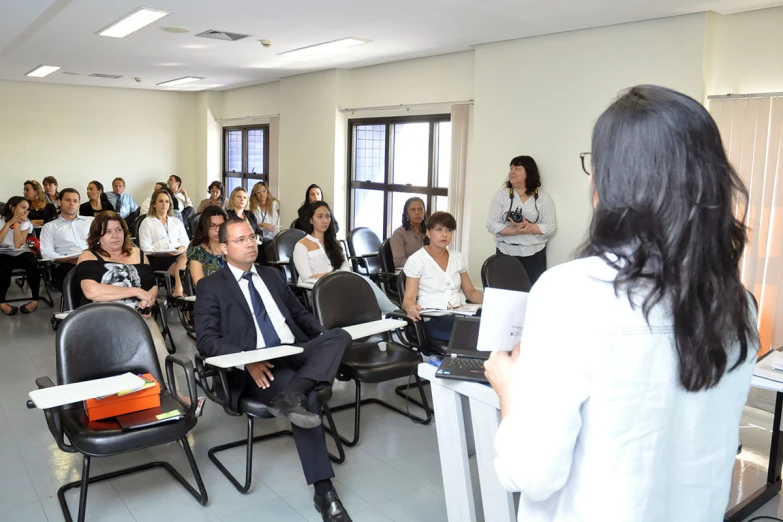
[463,361]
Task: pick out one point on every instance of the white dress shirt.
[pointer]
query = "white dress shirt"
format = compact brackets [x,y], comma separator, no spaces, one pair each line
[599,428]
[541,213]
[8,240]
[63,238]
[155,236]
[309,262]
[183,201]
[278,321]
[437,289]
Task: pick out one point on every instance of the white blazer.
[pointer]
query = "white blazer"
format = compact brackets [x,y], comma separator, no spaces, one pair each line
[154,236]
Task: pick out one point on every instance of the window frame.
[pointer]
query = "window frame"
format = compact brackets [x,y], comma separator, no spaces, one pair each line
[245,175]
[431,190]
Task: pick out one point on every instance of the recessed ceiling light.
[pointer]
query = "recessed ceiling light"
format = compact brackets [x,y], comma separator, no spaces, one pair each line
[270,65]
[175,30]
[43,70]
[323,48]
[141,17]
[72,73]
[180,81]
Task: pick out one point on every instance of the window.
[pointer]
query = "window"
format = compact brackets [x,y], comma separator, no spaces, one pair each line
[245,161]
[393,159]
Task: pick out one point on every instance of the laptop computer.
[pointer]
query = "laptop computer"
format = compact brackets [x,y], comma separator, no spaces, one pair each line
[463,361]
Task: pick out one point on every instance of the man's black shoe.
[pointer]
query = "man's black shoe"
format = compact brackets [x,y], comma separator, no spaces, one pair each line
[330,507]
[292,407]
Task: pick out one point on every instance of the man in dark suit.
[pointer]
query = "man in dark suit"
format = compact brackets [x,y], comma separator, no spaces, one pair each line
[243,307]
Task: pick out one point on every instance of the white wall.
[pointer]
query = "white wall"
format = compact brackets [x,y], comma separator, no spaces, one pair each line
[541,96]
[78,134]
[257,100]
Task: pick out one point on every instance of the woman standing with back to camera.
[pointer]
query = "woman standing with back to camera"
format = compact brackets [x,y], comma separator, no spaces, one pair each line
[522,217]
[623,400]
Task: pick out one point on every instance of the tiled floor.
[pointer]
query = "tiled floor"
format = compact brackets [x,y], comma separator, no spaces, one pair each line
[392,475]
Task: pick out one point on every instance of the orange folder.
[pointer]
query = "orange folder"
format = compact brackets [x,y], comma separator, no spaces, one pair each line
[122,403]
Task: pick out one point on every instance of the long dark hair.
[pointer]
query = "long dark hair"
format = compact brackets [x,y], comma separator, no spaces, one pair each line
[307,195]
[406,222]
[10,206]
[104,198]
[201,234]
[334,251]
[98,229]
[532,176]
[664,219]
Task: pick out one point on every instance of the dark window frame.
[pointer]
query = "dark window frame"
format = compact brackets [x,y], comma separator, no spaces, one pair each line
[244,174]
[431,190]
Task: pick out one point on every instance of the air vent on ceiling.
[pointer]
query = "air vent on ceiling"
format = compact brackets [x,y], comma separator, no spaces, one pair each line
[222,35]
[110,76]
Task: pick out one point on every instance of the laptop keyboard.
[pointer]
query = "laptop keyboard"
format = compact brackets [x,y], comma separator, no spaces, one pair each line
[463,363]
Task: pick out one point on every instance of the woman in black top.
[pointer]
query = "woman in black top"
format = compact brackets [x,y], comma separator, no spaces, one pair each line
[40,211]
[312,194]
[98,201]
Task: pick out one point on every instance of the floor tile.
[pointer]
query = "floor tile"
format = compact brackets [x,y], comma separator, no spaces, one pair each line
[379,484]
[277,511]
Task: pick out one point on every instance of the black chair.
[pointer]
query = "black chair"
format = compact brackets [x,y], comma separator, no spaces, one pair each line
[185,307]
[132,217]
[364,362]
[389,275]
[86,352]
[363,246]
[294,224]
[416,334]
[193,223]
[502,271]
[213,381]
[187,213]
[135,229]
[281,250]
[46,279]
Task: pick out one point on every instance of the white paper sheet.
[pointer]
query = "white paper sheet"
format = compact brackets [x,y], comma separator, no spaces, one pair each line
[502,320]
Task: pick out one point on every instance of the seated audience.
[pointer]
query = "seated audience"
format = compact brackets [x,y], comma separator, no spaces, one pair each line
[144,208]
[243,307]
[121,202]
[65,238]
[40,211]
[409,238]
[638,355]
[113,270]
[216,197]
[237,207]
[50,191]
[14,229]
[97,201]
[175,184]
[162,232]
[204,254]
[312,194]
[437,277]
[266,209]
[320,253]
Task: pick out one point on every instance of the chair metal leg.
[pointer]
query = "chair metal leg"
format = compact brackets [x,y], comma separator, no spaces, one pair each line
[200,495]
[357,416]
[165,330]
[402,391]
[337,441]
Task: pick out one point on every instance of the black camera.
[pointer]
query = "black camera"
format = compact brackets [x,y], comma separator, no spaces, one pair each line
[516,216]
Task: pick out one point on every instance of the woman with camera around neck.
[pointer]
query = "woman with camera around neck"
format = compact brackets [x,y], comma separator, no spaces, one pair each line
[522,217]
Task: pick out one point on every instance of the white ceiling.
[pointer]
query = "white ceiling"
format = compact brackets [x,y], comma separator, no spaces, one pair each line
[63,32]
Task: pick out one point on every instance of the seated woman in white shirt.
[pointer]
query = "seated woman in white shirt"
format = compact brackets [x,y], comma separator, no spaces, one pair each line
[266,209]
[437,277]
[161,231]
[623,402]
[319,253]
[14,229]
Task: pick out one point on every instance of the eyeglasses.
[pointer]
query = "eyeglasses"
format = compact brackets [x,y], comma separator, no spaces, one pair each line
[587,162]
[242,240]
[212,225]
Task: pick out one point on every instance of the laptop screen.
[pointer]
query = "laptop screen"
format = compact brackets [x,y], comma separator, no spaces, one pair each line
[464,337]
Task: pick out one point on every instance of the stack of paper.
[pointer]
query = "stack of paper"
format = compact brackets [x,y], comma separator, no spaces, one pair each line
[770,367]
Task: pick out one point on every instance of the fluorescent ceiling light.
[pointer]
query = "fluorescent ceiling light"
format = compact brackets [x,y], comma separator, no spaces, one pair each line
[141,17]
[43,70]
[180,81]
[323,48]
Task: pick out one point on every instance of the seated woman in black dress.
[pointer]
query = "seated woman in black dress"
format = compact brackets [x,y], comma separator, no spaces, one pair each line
[40,211]
[113,270]
[238,206]
[312,194]
[97,200]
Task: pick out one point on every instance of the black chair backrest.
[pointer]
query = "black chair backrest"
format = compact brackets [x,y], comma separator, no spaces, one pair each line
[136,225]
[387,258]
[193,223]
[332,308]
[72,292]
[283,248]
[401,277]
[294,223]
[102,340]
[502,271]
[363,241]
[2,207]
[187,281]
[132,217]
[187,213]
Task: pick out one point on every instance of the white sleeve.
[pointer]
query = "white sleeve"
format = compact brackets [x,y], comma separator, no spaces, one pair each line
[145,234]
[275,213]
[302,262]
[145,207]
[497,211]
[414,267]
[460,264]
[536,459]
[547,223]
[47,241]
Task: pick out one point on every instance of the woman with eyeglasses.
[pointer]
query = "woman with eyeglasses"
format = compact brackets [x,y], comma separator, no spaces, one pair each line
[204,254]
[637,356]
[522,217]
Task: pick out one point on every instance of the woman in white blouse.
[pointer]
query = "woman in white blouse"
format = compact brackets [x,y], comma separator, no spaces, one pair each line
[437,277]
[623,401]
[14,229]
[266,209]
[319,253]
[161,231]
[522,217]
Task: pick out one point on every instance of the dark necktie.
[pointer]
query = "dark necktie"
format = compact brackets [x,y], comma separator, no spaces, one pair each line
[118,203]
[259,310]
